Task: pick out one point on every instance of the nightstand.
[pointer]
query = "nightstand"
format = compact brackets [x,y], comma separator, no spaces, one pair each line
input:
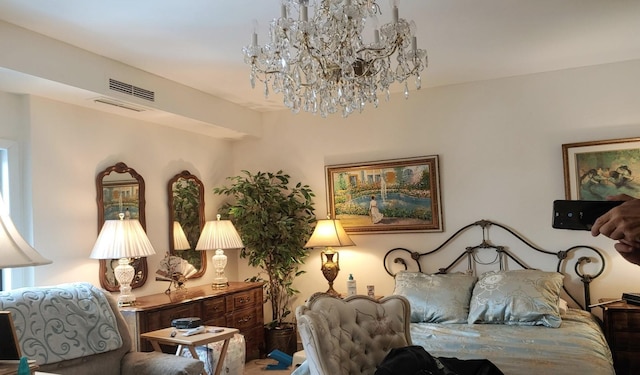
[622,329]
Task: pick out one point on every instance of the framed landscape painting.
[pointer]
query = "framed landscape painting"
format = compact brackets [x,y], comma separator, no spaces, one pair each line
[596,170]
[386,196]
[121,197]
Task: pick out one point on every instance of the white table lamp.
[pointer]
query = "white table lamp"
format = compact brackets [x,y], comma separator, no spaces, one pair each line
[180,241]
[219,235]
[122,239]
[14,250]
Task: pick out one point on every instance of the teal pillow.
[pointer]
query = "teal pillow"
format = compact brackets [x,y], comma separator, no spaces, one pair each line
[522,297]
[436,298]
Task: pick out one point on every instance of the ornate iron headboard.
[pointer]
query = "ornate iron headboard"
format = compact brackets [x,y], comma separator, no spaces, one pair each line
[503,255]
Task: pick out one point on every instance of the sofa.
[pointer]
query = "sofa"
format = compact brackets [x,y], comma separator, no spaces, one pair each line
[77,329]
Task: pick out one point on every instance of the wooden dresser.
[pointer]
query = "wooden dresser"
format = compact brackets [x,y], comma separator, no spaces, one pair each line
[622,329]
[238,306]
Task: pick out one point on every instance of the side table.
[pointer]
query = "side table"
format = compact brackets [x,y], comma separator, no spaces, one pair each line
[163,336]
[622,329]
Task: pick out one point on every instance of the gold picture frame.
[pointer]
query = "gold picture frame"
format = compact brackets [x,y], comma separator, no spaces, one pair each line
[386,196]
[598,169]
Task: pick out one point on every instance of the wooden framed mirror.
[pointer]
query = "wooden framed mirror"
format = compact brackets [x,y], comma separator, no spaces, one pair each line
[120,189]
[186,206]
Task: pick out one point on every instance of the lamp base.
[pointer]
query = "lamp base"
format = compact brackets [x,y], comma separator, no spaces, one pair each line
[125,301]
[124,275]
[330,269]
[332,292]
[220,283]
[219,263]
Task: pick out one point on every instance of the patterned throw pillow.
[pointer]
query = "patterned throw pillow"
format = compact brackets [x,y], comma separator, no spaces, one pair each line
[522,297]
[436,298]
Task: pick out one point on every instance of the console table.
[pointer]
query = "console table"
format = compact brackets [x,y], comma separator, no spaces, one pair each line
[237,306]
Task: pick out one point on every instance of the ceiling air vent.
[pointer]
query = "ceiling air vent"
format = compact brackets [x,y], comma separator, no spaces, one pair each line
[132,90]
[117,103]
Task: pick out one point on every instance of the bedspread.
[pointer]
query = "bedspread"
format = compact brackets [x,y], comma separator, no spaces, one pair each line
[578,346]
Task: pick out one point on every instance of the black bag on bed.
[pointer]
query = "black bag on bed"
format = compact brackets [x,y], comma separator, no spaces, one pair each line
[414,360]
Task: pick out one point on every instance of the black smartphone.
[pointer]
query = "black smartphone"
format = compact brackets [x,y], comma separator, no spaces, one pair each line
[579,215]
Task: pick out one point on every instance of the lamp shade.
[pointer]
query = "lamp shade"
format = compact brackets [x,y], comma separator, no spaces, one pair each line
[329,233]
[180,241]
[122,239]
[14,250]
[219,234]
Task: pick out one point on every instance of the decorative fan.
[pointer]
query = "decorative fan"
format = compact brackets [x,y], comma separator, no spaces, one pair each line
[176,271]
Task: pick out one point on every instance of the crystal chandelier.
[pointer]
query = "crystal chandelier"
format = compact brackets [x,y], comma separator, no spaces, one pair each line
[323,64]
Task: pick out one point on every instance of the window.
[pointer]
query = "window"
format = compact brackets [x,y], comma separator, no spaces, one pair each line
[10,188]
[3,190]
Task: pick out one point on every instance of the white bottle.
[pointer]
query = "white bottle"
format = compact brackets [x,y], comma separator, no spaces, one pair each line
[351,286]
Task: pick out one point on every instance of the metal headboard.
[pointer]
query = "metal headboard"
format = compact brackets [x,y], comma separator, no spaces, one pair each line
[402,256]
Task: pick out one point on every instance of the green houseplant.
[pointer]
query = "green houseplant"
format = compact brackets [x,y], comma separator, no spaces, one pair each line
[274,220]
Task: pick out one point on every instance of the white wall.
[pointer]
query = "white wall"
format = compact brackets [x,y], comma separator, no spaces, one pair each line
[499,144]
[69,146]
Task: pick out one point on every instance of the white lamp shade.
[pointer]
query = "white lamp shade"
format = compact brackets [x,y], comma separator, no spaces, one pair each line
[329,233]
[14,250]
[180,241]
[122,239]
[219,234]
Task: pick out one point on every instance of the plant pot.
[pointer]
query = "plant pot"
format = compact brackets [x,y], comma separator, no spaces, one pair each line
[283,338]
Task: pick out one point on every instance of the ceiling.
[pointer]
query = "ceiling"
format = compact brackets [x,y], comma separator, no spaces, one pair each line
[199,43]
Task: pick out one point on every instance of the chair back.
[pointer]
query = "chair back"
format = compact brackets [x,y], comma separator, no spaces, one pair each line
[351,335]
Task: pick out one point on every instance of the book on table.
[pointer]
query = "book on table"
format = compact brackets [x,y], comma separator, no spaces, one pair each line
[633,298]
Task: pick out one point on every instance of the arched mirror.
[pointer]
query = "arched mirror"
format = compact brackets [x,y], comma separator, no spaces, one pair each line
[186,206]
[120,189]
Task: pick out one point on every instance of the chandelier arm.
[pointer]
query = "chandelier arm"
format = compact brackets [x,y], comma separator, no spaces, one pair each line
[311,49]
[395,48]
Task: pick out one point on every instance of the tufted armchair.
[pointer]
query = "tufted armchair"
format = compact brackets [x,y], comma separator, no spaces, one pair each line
[351,336]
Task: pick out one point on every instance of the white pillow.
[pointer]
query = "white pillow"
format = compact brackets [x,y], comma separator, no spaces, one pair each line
[562,306]
[522,297]
[438,298]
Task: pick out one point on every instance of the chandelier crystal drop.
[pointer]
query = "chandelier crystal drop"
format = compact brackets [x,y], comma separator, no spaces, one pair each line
[336,60]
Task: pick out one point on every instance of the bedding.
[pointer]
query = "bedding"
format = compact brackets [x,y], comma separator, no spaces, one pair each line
[577,346]
[513,319]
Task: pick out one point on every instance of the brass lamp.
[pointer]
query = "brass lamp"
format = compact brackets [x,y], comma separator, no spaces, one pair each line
[123,240]
[219,235]
[329,233]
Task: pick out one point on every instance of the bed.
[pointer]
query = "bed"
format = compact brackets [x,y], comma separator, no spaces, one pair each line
[488,303]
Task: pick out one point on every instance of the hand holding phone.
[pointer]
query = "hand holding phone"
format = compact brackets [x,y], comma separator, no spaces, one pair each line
[622,226]
[579,215]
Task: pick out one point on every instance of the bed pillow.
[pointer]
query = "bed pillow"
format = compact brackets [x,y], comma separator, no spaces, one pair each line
[522,297]
[436,298]
[563,306]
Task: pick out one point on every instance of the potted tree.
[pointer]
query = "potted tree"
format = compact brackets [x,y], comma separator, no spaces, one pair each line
[274,220]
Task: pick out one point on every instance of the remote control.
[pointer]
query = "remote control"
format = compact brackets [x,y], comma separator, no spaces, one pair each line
[194,331]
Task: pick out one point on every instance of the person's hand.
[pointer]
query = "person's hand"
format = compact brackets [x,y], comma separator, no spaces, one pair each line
[622,223]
